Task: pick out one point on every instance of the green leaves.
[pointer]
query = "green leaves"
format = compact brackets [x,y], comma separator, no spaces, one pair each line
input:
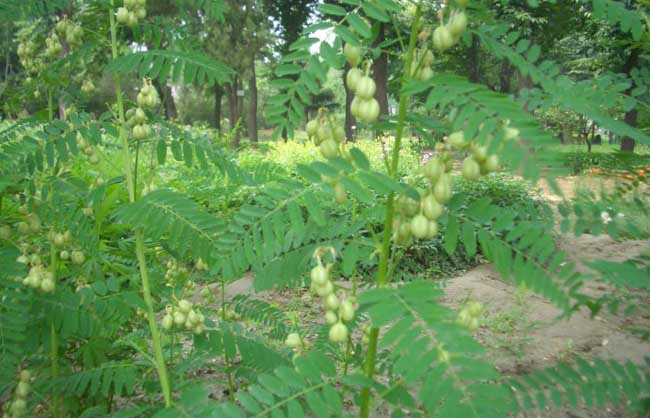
[176,66]
[426,349]
[187,227]
[590,384]
[615,12]
[305,390]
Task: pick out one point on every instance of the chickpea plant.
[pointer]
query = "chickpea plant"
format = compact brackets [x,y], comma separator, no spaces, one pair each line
[113,301]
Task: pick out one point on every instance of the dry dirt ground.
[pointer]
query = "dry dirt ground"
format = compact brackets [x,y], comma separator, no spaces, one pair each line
[521,329]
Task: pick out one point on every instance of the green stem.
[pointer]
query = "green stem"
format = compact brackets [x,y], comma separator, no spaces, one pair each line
[50,105]
[382,272]
[54,360]
[54,337]
[231,385]
[139,234]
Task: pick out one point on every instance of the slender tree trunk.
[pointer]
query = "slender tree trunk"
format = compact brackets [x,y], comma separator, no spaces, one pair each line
[218,96]
[349,119]
[170,105]
[380,68]
[240,107]
[252,104]
[235,107]
[167,97]
[627,143]
[233,110]
[505,76]
[474,60]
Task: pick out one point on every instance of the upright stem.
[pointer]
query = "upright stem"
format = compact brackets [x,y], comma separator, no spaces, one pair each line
[382,271]
[54,337]
[139,235]
[231,386]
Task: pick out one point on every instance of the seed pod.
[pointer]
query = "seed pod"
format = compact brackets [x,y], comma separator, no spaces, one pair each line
[352,78]
[338,332]
[324,132]
[352,54]
[419,225]
[312,128]
[25,376]
[433,169]
[325,289]
[442,38]
[354,106]
[22,390]
[366,88]
[431,208]
[339,133]
[331,302]
[192,318]
[319,275]
[369,110]
[132,19]
[179,318]
[492,163]
[139,116]
[471,169]
[329,149]
[77,257]
[425,73]
[331,318]
[432,229]
[47,285]
[457,24]
[428,58]
[457,139]
[347,310]
[479,152]
[442,189]
[293,340]
[167,321]
[185,306]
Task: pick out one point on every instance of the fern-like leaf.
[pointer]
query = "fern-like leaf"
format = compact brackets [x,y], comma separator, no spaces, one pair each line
[177,66]
[187,227]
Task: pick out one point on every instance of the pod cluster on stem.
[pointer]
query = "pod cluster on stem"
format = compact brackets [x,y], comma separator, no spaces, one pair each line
[419,218]
[339,308]
[447,34]
[184,315]
[18,406]
[364,106]
[327,133]
[132,12]
[70,31]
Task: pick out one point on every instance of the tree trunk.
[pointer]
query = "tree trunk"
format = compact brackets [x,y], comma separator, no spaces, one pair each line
[170,106]
[218,95]
[349,119]
[240,109]
[505,76]
[252,104]
[627,143]
[474,60]
[233,110]
[380,68]
[165,93]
